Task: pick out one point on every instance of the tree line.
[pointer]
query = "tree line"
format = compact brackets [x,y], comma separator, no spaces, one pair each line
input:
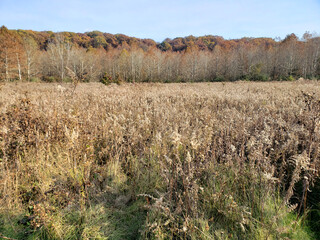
[93,56]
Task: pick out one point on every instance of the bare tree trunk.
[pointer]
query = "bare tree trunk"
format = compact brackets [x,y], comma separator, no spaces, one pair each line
[28,67]
[19,66]
[133,73]
[6,67]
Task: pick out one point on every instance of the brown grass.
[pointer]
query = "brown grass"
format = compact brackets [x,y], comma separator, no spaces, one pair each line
[205,160]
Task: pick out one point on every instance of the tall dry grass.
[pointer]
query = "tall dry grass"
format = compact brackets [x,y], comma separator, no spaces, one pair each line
[158,161]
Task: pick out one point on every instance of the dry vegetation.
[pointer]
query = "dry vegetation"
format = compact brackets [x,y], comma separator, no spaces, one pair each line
[159,161]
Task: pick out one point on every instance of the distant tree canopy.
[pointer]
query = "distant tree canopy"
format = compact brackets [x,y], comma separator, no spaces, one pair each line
[27,54]
[97,39]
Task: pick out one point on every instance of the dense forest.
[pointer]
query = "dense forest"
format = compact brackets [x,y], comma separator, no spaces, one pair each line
[94,56]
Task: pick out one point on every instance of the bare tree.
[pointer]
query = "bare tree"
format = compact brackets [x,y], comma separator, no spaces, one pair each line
[59,52]
[31,49]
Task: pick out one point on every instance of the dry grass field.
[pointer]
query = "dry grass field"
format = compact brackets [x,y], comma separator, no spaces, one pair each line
[160,161]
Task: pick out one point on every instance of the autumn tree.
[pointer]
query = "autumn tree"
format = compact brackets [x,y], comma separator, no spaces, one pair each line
[27,54]
[30,48]
[289,54]
[10,54]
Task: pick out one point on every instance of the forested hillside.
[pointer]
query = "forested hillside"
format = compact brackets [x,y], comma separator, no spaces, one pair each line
[93,56]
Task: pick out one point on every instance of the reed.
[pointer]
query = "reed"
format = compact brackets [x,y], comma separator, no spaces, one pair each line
[159,161]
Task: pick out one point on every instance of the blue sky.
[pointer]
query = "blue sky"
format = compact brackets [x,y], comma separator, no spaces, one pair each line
[164,18]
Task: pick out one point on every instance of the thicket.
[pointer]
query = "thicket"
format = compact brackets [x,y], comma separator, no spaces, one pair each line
[160,161]
[92,56]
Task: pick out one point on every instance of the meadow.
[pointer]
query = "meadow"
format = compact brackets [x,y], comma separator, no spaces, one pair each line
[237,160]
